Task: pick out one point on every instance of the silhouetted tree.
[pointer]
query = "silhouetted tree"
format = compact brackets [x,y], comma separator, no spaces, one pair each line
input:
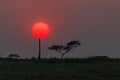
[98,57]
[14,56]
[64,49]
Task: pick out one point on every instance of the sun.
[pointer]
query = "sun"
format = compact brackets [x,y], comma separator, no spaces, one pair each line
[40,30]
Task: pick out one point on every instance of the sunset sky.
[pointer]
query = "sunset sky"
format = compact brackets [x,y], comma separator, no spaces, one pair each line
[96,23]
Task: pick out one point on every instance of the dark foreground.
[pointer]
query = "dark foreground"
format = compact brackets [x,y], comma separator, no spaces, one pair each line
[69,69]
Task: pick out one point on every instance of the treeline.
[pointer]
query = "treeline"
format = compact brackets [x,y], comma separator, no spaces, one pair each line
[92,59]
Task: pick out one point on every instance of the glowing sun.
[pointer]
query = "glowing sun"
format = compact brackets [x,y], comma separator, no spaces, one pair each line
[40,30]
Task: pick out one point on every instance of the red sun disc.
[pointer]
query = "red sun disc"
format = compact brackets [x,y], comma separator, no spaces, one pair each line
[40,30]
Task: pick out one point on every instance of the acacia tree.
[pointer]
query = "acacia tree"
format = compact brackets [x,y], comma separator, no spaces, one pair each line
[14,56]
[64,49]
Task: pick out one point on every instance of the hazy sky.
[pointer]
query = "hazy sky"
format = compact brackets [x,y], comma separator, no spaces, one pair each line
[96,23]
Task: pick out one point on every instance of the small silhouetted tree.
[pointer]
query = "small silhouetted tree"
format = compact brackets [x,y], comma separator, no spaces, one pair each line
[64,49]
[14,56]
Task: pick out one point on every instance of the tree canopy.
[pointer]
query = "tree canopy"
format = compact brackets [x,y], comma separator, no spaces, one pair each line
[64,49]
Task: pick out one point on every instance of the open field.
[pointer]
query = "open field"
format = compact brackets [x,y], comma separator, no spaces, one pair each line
[60,70]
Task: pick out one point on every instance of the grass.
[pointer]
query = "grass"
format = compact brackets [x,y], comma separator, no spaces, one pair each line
[36,70]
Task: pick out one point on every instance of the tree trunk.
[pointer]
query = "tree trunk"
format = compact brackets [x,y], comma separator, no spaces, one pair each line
[62,56]
[39,55]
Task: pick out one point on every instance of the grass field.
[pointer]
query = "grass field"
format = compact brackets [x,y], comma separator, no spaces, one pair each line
[61,70]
